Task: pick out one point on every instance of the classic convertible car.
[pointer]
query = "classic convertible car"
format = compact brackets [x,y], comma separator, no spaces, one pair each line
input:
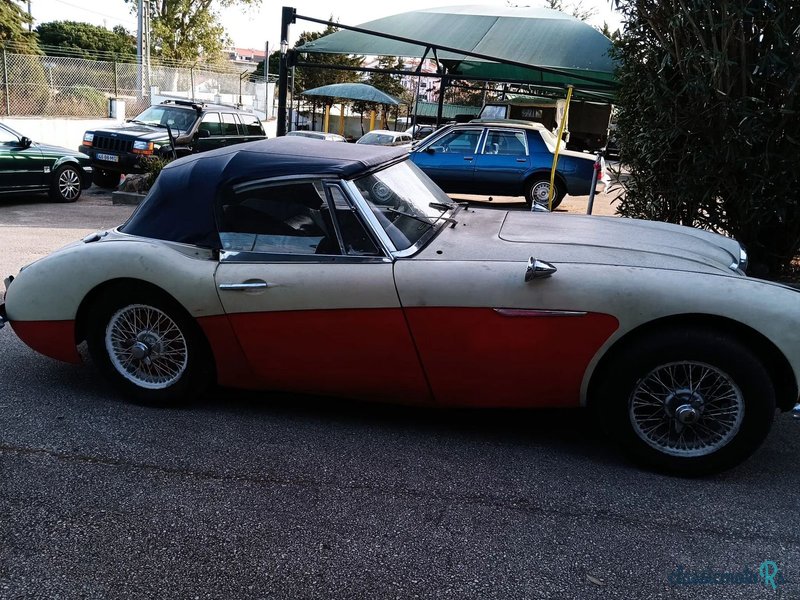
[339,269]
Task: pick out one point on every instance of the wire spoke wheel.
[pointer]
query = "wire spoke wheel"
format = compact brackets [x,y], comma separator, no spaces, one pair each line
[686,409]
[69,184]
[146,346]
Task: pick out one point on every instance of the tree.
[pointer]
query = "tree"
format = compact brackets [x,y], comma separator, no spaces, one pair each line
[709,119]
[274,65]
[307,78]
[576,9]
[186,31]
[13,28]
[86,40]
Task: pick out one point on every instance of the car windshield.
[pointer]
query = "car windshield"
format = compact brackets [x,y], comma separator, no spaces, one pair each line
[161,116]
[377,139]
[407,204]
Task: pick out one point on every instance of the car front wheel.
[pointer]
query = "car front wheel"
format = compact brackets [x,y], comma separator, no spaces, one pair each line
[149,347]
[538,190]
[105,179]
[66,184]
[687,402]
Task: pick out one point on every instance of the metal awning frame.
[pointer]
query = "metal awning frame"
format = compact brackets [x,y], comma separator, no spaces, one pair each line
[289,16]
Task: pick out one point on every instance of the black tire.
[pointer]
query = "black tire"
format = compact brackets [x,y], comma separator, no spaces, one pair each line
[66,184]
[105,179]
[537,188]
[639,413]
[165,380]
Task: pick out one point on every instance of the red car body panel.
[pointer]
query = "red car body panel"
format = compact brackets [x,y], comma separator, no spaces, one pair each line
[55,339]
[482,357]
[360,353]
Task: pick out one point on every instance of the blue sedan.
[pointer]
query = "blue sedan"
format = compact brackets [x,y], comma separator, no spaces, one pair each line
[510,158]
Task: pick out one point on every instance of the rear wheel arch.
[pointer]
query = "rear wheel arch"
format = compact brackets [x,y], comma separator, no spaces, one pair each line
[112,285]
[772,358]
[126,294]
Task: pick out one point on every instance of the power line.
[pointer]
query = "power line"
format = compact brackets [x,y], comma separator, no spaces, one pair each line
[94,12]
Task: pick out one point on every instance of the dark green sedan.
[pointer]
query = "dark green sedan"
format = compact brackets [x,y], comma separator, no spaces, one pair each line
[27,166]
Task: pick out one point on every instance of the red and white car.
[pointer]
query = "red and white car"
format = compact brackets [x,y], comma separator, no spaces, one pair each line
[341,269]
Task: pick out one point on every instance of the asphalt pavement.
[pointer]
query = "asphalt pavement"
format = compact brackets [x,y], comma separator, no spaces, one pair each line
[246,495]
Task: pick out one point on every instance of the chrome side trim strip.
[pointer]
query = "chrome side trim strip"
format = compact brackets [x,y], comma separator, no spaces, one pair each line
[525,312]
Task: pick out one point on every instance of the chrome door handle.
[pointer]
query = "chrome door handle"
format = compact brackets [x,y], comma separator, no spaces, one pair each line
[522,160]
[243,287]
[468,157]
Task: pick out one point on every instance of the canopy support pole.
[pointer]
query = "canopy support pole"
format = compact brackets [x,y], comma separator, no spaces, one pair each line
[558,147]
[327,122]
[440,108]
[288,16]
[341,120]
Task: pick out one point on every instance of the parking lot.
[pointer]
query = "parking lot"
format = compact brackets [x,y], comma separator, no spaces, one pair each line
[246,495]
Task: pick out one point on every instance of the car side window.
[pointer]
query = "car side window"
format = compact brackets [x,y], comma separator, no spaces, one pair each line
[211,124]
[229,124]
[354,235]
[287,218]
[252,126]
[458,142]
[507,143]
[7,138]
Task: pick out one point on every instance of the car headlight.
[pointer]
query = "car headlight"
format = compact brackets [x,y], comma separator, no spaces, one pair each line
[142,147]
[88,137]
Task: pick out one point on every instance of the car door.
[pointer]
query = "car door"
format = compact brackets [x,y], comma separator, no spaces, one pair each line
[310,294]
[209,132]
[21,167]
[230,130]
[503,162]
[450,159]
[250,127]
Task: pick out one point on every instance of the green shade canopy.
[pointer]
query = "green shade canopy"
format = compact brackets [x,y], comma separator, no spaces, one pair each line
[353,91]
[539,46]
[449,111]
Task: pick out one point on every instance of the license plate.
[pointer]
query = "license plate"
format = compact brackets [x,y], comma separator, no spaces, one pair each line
[107,157]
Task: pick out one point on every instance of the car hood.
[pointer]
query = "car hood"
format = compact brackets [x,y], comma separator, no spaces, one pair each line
[139,132]
[59,151]
[563,238]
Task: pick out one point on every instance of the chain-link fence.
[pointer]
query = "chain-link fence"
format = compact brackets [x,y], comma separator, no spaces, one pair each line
[64,86]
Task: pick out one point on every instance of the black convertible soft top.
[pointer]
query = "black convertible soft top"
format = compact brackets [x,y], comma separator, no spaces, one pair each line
[180,206]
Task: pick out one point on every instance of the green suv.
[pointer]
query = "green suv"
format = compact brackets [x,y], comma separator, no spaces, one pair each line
[187,127]
[28,166]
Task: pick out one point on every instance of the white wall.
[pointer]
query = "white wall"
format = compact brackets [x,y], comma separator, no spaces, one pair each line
[66,132]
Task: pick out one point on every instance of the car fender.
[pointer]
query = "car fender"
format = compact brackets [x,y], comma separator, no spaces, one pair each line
[53,288]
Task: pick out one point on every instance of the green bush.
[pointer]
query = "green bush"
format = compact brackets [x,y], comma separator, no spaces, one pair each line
[78,101]
[709,119]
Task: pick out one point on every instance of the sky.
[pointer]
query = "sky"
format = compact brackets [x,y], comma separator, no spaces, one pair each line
[251,28]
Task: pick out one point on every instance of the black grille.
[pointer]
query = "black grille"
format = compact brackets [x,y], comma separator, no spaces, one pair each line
[110,143]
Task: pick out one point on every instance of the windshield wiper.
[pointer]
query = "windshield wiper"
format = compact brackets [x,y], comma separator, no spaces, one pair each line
[443,205]
[421,220]
[410,216]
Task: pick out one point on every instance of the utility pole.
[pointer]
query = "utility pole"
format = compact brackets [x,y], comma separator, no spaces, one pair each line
[143,46]
[139,47]
[267,104]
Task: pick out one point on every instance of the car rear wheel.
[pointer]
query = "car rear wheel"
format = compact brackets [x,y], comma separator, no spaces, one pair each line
[538,190]
[66,184]
[149,347]
[687,402]
[105,179]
